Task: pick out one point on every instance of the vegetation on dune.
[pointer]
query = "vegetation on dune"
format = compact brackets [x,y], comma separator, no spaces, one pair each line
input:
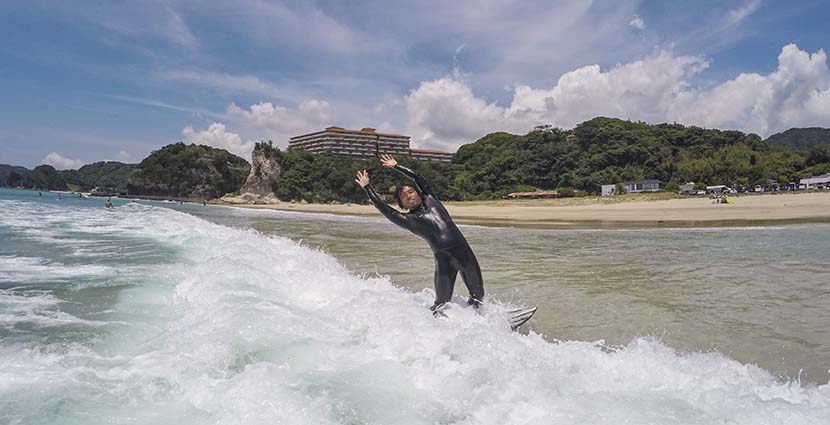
[194,171]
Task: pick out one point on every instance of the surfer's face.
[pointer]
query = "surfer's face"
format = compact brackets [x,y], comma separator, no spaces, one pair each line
[410,199]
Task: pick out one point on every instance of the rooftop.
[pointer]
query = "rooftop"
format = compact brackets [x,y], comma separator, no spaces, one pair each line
[642,181]
[364,131]
[536,193]
[428,151]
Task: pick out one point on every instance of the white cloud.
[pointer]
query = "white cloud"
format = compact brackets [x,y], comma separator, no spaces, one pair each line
[279,123]
[458,51]
[216,136]
[642,89]
[58,161]
[735,16]
[269,121]
[154,103]
[125,157]
[445,113]
[637,22]
[227,82]
[140,21]
[659,88]
[302,24]
[794,95]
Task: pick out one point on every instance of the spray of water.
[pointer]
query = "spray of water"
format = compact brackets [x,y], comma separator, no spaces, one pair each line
[239,327]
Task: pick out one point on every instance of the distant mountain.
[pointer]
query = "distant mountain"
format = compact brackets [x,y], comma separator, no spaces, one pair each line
[47,177]
[105,176]
[801,139]
[174,171]
[188,171]
[13,175]
[43,177]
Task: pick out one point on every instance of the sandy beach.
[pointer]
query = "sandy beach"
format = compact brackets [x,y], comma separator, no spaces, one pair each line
[627,211]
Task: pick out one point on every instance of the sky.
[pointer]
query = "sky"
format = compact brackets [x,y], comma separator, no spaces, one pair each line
[87,81]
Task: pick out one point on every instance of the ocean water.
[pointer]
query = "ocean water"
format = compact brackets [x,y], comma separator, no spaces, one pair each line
[148,314]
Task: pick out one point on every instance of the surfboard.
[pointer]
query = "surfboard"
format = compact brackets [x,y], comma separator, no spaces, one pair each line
[520,316]
[515,318]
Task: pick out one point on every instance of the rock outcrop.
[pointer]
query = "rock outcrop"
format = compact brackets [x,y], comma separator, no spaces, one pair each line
[265,170]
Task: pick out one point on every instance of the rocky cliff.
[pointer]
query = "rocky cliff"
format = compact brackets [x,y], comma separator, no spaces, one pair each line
[265,171]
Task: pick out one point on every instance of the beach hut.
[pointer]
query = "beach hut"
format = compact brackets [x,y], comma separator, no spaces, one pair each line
[816,182]
[632,187]
[643,186]
[687,188]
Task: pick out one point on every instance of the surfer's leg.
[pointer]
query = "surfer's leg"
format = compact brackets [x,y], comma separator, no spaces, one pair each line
[471,274]
[445,273]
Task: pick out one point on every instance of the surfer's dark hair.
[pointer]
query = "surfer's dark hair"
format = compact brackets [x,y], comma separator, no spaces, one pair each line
[400,189]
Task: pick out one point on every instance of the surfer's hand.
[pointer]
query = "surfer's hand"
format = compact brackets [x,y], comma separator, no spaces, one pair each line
[362,178]
[388,161]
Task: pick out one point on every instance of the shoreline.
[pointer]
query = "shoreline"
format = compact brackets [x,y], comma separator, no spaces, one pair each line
[601,213]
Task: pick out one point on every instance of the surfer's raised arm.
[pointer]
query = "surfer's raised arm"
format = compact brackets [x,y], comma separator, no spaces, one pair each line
[389,161]
[390,213]
[428,219]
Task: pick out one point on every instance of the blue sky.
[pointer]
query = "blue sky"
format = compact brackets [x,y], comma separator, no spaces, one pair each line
[87,81]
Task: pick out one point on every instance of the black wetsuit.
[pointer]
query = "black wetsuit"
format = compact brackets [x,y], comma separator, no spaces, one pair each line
[432,222]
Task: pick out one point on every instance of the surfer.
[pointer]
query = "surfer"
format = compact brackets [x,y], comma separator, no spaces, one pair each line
[427,218]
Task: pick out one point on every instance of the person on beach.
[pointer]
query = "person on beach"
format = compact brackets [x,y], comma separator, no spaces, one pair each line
[427,218]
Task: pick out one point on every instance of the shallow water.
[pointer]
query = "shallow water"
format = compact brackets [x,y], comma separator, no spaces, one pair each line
[143,314]
[759,294]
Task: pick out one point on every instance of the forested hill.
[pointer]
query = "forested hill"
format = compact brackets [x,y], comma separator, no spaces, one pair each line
[177,171]
[606,150]
[801,139]
[193,171]
[42,177]
[105,176]
[596,152]
[12,175]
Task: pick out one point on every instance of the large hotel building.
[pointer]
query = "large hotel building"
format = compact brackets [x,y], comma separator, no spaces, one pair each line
[365,143]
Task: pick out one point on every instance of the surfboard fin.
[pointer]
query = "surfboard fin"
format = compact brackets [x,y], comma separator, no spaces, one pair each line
[520,316]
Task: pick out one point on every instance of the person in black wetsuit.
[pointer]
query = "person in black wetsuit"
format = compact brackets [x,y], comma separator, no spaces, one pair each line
[428,219]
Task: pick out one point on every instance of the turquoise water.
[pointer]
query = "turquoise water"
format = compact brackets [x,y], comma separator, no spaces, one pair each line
[160,313]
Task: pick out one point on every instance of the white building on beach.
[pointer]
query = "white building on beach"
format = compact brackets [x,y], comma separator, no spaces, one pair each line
[816,182]
[632,187]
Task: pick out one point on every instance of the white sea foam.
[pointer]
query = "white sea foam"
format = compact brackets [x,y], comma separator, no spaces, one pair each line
[33,269]
[35,308]
[246,328]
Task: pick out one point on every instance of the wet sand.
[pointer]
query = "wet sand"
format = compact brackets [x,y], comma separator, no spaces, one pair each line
[626,211]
